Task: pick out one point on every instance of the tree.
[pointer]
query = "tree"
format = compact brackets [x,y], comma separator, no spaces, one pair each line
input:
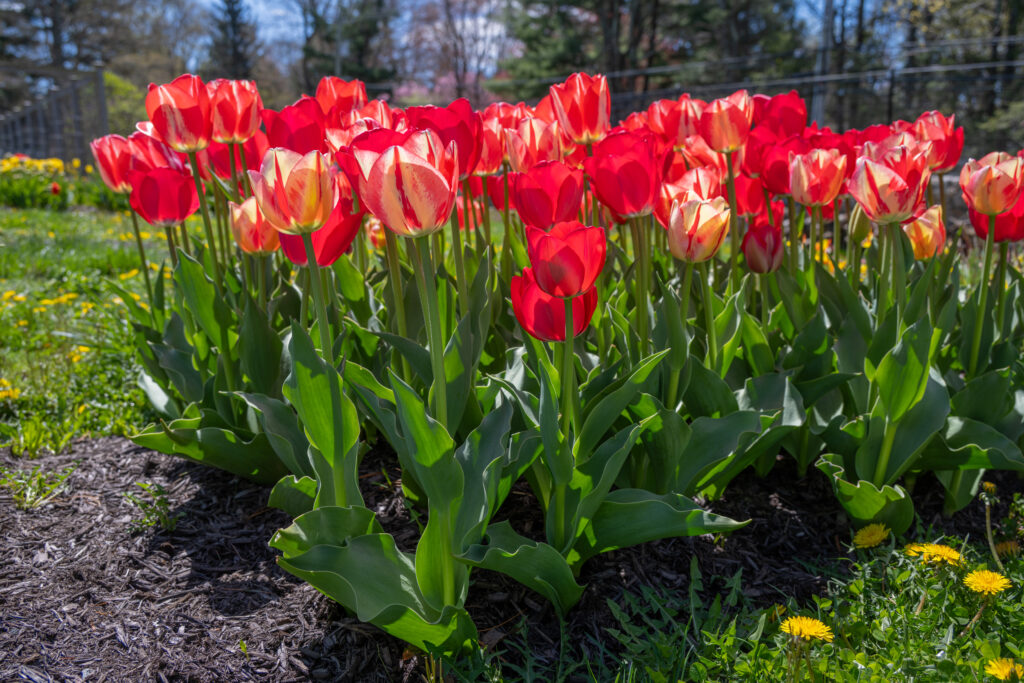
[233,47]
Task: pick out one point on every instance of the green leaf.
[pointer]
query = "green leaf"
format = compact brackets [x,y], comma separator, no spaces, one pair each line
[629,517]
[707,394]
[201,298]
[294,496]
[903,373]
[260,351]
[283,431]
[712,440]
[867,504]
[536,565]
[970,445]
[756,350]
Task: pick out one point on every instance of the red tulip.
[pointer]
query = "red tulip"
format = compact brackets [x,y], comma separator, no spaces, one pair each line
[295,192]
[763,246]
[725,122]
[235,110]
[927,233]
[253,150]
[775,166]
[566,260]
[1009,224]
[750,199]
[583,107]
[697,228]
[54,188]
[163,196]
[299,127]
[148,153]
[407,180]
[785,115]
[335,237]
[695,152]
[992,185]
[703,182]
[543,315]
[180,113]
[340,95]
[456,123]
[531,142]
[753,154]
[113,156]
[625,173]
[676,120]
[890,184]
[816,178]
[253,234]
[548,193]
[948,140]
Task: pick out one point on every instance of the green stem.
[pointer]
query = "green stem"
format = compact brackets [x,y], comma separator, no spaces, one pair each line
[684,300]
[326,347]
[899,271]
[1004,253]
[942,195]
[506,239]
[884,277]
[794,237]
[246,182]
[428,297]
[142,260]
[205,209]
[709,317]
[186,241]
[397,295]
[642,283]
[762,284]
[570,418]
[979,318]
[234,170]
[888,439]
[991,540]
[734,235]
[169,234]
[261,277]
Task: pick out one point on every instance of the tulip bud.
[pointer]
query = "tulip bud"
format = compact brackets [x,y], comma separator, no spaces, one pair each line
[890,183]
[543,315]
[927,233]
[548,193]
[582,105]
[567,260]
[295,192]
[992,184]
[113,158]
[725,122]
[180,113]
[859,226]
[235,110]
[697,228]
[762,246]
[815,178]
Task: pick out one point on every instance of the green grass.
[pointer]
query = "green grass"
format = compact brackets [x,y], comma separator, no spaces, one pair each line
[66,356]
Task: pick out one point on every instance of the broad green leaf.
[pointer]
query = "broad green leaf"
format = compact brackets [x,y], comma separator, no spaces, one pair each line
[712,440]
[867,504]
[260,351]
[209,309]
[294,496]
[283,431]
[903,373]
[970,445]
[707,394]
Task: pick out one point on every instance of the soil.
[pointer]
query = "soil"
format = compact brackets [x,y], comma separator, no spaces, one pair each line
[84,597]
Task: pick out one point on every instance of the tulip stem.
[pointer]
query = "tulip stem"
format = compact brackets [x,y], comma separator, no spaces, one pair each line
[709,317]
[428,297]
[734,235]
[261,278]
[882,465]
[794,237]
[979,317]
[642,275]
[763,286]
[1004,253]
[169,234]
[899,269]
[186,242]
[570,416]
[234,170]
[246,181]
[942,195]
[684,302]
[327,348]
[506,238]
[205,209]
[144,262]
[397,294]
[885,264]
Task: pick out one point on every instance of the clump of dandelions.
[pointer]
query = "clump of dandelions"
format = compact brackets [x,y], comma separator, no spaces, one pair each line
[870,536]
[802,632]
[1004,669]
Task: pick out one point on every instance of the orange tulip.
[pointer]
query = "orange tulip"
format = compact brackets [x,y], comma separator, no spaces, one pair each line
[252,232]
[531,142]
[889,184]
[295,192]
[703,182]
[411,184]
[943,133]
[343,96]
[697,228]
[583,107]
[816,178]
[235,110]
[725,122]
[927,233]
[992,184]
[180,113]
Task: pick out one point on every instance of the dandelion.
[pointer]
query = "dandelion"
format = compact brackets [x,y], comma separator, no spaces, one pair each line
[1004,669]
[934,553]
[807,628]
[986,582]
[1009,548]
[9,294]
[22,323]
[130,274]
[88,169]
[870,536]
[989,488]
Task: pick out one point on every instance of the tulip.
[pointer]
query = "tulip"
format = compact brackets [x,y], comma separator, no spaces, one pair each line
[816,178]
[567,259]
[762,246]
[582,105]
[55,188]
[890,184]
[542,315]
[492,148]
[625,173]
[927,233]
[785,114]
[253,234]
[1009,225]
[775,170]
[531,142]
[702,182]
[750,199]
[548,193]
[676,120]
[992,184]
[113,156]
[180,113]
[235,110]
[697,228]
[295,192]
[456,123]
[725,122]
[410,184]
[335,237]
[148,153]
[164,197]
[299,127]
[333,93]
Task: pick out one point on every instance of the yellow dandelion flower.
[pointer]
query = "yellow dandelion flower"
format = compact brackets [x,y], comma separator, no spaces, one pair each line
[1008,549]
[807,628]
[81,409]
[22,323]
[1004,668]
[39,309]
[83,349]
[989,487]
[870,536]
[76,162]
[987,582]
[88,169]
[19,298]
[50,234]
[130,274]
[9,294]
[934,553]
[4,383]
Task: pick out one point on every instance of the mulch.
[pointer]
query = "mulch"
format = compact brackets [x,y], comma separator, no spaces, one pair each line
[82,597]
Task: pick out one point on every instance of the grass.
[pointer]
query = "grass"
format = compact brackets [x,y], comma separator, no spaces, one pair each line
[66,358]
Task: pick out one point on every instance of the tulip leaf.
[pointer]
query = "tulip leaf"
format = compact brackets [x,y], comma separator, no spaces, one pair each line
[202,299]
[294,496]
[260,355]
[712,441]
[960,491]
[664,442]
[903,372]
[867,504]
[283,431]
[968,444]
[707,394]
[162,402]
[629,517]
[756,350]
[534,564]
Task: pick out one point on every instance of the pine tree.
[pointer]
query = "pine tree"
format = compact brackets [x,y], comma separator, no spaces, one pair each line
[233,48]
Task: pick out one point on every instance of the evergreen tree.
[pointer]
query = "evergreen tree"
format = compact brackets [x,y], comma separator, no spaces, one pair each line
[233,48]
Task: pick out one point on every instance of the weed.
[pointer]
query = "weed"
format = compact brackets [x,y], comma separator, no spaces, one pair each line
[33,488]
[155,512]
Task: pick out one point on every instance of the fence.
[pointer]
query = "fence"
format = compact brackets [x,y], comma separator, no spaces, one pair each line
[59,123]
